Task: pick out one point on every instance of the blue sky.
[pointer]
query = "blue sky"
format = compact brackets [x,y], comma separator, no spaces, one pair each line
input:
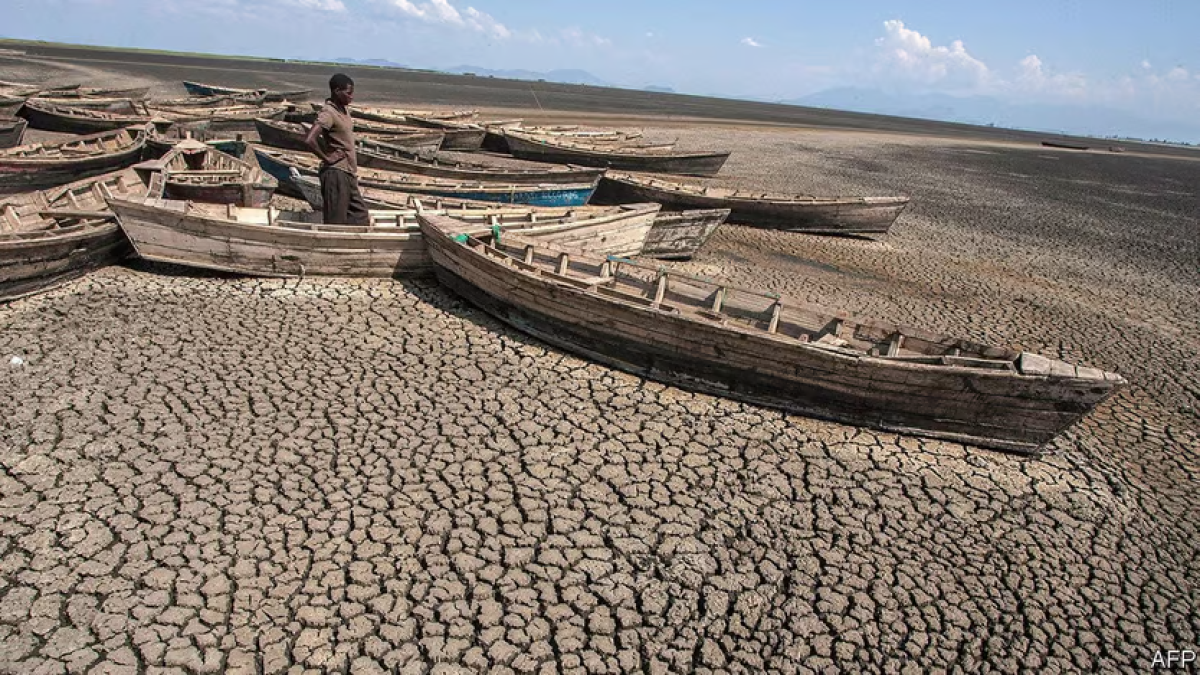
[1137,57]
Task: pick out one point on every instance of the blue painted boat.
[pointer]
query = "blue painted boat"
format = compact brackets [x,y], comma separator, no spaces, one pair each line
[270,96]
[279,164]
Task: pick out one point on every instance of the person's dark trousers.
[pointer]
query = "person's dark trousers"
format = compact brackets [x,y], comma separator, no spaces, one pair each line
[343,202]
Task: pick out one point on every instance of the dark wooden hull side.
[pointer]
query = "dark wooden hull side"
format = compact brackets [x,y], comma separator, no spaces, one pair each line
[16,177]
[463,140]
[1002,412]
[49,121]
[496,142]
[10,106]
[498,174]
[849,217]
[684,164]
[1064,146]
[11,132]
[30,267]
[237,194]
[678,235]
[280,138]
[281,173]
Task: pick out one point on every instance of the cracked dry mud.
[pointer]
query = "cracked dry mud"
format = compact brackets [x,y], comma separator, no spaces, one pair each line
[205,473]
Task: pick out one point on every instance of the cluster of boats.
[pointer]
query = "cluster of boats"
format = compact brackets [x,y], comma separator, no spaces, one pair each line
[562,250]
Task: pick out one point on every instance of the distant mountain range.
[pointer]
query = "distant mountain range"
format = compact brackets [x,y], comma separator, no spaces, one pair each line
[569,76]
[983,110]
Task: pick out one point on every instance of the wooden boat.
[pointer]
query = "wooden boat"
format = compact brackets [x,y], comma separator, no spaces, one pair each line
[229,118]
[395,116]
[9,105]
[496,142]
[387,159]
[33,89]
[291,137]
[672,236]
[746,344]
[158,143]
[460,136]
[793,213]
[134,93]
[279,165]
[77,120]
[1065,145]
[542,149]
[195,171]
[116,105]
[12,130]
[201,89]
[53,236]
[270,242]
[39,165]
[218,101]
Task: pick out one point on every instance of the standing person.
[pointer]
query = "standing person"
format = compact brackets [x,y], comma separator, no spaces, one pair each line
[331,138]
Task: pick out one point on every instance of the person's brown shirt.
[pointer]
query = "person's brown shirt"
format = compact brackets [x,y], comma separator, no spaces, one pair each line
[337,133]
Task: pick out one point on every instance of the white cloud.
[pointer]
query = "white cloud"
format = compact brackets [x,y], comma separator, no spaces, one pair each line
[1146,64]
[750,42]
[1177,74]
[905,53]
[323,5]
[442,12]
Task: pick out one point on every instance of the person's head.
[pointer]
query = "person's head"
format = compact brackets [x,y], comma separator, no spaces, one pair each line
[341,89]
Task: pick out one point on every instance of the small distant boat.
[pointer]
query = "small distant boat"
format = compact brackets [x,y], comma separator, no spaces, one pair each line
[133,93]
[270,242]
[196,171]
[12,130]
[1065,145]
[792,213]
[218,101]
[279,165]
[228,118]
[201,89]
[460,136]
[39,165]
[544,149]
[751,345]
[53,236]
[159,143]
[77,120]
[291,137]
[672,236]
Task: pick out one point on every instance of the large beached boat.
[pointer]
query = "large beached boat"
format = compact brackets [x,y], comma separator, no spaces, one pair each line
[653,159]
[706,335]
[40,165]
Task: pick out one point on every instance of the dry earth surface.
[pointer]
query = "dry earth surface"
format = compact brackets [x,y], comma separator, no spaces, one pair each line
[207,473]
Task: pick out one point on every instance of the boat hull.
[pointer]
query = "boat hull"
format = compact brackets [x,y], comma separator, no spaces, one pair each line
[987,409]
[678,235]
[686,164]
[176,237]
[20,174]
[30,265]
[852,216]
[12,130]
[463,140]
[241,195]
[47,120]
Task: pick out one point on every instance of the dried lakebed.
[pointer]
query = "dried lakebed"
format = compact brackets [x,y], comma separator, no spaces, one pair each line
[207,473]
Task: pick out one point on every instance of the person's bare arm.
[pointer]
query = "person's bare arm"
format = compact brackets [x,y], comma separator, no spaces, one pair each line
[310,139]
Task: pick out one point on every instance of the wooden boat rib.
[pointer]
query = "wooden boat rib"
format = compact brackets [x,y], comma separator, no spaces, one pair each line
[542,194]
[291,137]
[76,120]
[269,242]
[541,149]
[672,236]
[195,171]
[53,236]
[793,213]
[32,166]
[269,96]
[12,130]
[217,101]
[741,343]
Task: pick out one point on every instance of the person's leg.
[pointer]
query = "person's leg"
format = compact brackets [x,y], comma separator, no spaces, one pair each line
[336,195]
[356,210]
